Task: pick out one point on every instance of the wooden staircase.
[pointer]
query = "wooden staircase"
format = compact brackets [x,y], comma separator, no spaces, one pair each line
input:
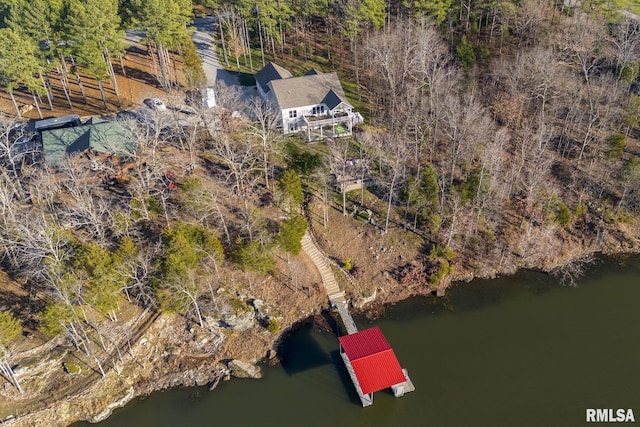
[336,296]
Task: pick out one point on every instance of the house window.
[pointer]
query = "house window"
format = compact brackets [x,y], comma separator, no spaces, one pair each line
[317,110]
[293,127]
[293,114]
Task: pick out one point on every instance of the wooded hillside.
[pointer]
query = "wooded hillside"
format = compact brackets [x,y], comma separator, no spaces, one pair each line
[500,135]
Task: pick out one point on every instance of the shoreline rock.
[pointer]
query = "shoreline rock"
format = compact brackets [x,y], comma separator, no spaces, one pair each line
[241,369]
[209,371]
[115,405]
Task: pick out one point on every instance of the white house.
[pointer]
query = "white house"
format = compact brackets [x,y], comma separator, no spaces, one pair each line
[314,103]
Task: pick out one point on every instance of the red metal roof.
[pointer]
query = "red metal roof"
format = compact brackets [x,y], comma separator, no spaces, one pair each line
[373,360]
[364,343]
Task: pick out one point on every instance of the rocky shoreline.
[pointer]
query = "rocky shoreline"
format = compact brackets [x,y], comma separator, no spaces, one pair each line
[174,358]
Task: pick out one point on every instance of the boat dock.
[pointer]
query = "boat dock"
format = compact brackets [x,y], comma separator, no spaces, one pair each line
[368,357]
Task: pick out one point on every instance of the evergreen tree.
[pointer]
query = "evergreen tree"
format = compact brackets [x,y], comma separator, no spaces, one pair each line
[18,64]
[435,9]
[290,190]
[35,19]
[253,256]
[291,232]
[188,249]
[94,28]
[166,24]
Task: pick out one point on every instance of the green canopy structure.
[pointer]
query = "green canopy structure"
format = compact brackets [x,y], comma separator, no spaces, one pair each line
[117,138]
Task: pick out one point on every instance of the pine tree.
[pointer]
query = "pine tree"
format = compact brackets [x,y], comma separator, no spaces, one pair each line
[18,64]
[435,9]
[290,190]
[291,232]
[38,20]
[166,24]
[94,28]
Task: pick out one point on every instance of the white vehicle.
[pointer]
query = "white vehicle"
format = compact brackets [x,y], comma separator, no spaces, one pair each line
[155,104]
[208,98]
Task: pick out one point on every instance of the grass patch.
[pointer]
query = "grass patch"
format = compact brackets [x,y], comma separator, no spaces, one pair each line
[71,368]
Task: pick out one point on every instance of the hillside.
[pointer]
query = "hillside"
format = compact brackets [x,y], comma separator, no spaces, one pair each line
[497,137]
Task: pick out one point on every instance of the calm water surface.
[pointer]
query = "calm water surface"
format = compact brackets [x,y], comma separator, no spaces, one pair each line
[517,351]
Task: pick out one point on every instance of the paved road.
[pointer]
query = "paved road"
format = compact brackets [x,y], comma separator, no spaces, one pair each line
[204,44]
[203,40]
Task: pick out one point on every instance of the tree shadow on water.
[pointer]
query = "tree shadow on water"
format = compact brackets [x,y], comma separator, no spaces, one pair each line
[301,352]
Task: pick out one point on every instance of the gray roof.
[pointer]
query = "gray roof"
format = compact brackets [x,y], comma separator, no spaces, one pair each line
[312,71]
[314,89]
[271,72]
[107,137]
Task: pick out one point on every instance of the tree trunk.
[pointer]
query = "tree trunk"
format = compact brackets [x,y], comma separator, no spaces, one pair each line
[261,43]
[47,87]
[393,184]
[224,47]
[113,76]
[265,159]
[37,104]
[104,97]
[64,85]
[81,86]
[15,104]
[7,371]
[247,41]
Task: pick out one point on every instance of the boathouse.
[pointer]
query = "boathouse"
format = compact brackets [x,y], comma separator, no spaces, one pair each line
[373,365]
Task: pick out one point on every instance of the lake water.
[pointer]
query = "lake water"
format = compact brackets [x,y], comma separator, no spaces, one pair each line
[516,351]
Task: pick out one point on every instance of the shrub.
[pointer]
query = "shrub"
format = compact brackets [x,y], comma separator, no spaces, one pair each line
[347,264]
[617,142]
[563,216]
[442,251]
[272,326]
[253,256]
[466,54]
[71,368]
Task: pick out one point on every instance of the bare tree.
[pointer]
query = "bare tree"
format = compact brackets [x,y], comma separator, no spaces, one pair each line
[572,270]
[265,118]
[390,153]
[339,154]
[84,209]
[241,162]
[15,144]
[9,332]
